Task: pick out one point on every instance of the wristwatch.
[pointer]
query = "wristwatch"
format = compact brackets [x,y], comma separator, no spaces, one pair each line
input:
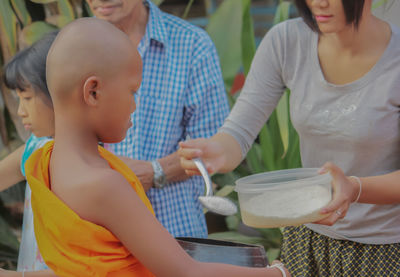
[159,179]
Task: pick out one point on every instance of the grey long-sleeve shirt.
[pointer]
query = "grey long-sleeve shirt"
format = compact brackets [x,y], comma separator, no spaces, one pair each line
[355,125]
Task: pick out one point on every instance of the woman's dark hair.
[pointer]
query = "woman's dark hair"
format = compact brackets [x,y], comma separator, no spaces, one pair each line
[353,10]
[28,67]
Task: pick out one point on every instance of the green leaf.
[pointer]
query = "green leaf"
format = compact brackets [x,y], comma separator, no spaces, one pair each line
[282,12]
[187,9]
[248,39]
[377,4]
[273,127]
[232,222]
[36,30]
[223,29]
[225,179]
[157,2]
[282,112]
[293,154]
[253,159]
[237,237]
[267,148]
[21,12]
[44,1]
[273,254]
[89,12]
[62,20]
[8,30]
[65,9]
[225,191]
[272,235]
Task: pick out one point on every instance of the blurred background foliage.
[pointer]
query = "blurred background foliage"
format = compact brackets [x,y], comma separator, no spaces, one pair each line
[230,24]
[277,145]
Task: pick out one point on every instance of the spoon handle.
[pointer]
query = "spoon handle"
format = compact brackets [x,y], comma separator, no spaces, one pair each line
[202,168]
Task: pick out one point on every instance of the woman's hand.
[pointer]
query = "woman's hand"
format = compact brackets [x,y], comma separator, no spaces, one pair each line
[279,264]
[345,191]
[210,151]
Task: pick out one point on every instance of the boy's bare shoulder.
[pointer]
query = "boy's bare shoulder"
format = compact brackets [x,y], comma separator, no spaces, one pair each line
[99,182]
[90,195]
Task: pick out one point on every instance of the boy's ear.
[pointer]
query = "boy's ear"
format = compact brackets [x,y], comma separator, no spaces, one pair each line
[91,90]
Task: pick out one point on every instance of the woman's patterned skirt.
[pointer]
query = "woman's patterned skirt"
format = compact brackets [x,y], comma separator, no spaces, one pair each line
[307,254]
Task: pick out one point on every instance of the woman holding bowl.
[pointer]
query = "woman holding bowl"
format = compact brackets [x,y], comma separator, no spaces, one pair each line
[342,65]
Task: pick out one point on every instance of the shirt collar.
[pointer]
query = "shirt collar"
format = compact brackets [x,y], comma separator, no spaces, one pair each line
[155,28]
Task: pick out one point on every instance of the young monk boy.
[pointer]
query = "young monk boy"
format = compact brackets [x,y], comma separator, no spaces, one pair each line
[91,214]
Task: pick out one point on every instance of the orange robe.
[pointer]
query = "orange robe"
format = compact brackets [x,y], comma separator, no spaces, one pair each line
[70,245]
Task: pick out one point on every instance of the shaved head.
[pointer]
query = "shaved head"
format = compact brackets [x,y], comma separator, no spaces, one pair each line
[86,47]
[93,71]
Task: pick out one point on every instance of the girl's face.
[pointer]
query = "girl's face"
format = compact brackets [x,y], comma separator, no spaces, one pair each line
[329,15]
[36,112]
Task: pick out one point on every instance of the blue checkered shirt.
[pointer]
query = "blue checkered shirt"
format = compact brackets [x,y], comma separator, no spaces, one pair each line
[182,93]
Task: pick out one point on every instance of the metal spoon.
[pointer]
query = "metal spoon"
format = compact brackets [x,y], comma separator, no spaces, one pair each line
[216,204]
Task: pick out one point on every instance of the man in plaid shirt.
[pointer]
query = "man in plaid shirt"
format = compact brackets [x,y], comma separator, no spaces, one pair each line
[182,94]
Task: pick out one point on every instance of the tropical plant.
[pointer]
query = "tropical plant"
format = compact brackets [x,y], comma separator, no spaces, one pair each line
[277,145]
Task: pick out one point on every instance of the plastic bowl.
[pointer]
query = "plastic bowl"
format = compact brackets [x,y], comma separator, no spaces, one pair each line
[283,198]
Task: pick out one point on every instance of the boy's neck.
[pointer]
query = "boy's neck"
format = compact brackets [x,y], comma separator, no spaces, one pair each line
[76,140]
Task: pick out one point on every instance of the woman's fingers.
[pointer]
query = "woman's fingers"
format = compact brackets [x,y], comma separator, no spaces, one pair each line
[337,201]
[336,173]
[337,208]
[188,152]
[277,263]
[341,188]
[191,149]
[338,213]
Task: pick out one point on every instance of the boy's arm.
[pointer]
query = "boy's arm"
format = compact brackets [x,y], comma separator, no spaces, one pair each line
[115,205]
[10,172]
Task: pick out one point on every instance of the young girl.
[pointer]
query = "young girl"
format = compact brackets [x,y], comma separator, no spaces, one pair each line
[26,73]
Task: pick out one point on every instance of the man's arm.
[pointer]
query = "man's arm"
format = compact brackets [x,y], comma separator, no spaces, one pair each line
[144,171]
[206,107]
[10,172]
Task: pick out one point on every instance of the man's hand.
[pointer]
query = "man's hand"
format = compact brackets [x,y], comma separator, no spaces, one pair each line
[142,169]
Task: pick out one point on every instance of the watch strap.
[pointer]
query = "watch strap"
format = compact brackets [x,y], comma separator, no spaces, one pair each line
[159,179]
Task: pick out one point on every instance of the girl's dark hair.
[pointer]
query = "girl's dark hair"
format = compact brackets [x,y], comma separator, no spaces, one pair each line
[353,10]
[28,67]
